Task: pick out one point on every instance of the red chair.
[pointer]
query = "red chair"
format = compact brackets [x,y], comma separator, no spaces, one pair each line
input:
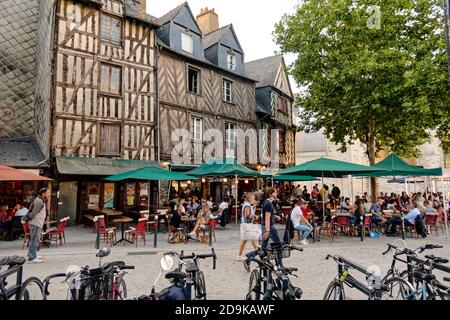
[139,230]
[431,222]
[212,225]
[367,223]
[109,235]
[58,233]
[342,224]
[26,234]
[328,229]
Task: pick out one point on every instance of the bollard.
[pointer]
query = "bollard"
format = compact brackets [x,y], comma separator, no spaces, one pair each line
[155,226]
[97,241]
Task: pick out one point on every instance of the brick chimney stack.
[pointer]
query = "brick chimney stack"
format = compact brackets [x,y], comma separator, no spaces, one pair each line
[208,20]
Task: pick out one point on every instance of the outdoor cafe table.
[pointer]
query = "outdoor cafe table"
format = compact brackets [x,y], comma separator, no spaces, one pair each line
[107,213]
[123,221]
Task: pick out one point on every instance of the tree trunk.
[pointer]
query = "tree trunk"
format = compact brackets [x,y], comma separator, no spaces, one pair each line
[372,155]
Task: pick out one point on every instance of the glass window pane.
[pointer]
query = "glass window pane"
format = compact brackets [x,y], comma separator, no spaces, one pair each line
[105,78]
[186,42]
[106,27]
[115,80]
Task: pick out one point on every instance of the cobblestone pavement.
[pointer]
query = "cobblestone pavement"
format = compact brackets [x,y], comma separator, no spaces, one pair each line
[230,280]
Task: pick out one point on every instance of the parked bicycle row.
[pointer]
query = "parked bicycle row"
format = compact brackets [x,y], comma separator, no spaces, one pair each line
[411,276]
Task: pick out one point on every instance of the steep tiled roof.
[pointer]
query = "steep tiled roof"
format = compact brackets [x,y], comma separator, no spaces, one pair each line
[264,70]
[215,36]
[171,14]
[131,10]
[22,152]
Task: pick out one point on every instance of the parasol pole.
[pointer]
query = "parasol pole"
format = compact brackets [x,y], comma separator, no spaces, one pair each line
[444,198]
[236,199]
[323,204]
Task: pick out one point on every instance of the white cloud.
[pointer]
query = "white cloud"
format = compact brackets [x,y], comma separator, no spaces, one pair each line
[253,21]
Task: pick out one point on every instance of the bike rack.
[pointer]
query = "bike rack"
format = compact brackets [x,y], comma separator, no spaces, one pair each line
[19,271]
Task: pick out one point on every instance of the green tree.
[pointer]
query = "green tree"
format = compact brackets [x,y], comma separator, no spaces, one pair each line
[373,71]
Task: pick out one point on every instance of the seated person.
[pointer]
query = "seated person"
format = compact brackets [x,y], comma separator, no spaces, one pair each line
[319,213]
[3,218]
[345,206]
[355,217]
[299,221]
[202,219]
[410,220]
[12,213]
[210,203]
[175,220]
[375,210]
[22,211]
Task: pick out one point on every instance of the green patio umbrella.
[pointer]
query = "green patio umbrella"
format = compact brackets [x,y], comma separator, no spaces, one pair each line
[393,165]
[227,168]
[294,178]
[151,173]
[329,168]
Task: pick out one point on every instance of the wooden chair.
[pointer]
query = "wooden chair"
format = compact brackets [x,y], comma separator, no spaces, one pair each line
[58,233]
[139,230]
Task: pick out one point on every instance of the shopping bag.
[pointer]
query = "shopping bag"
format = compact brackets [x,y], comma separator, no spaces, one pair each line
[250,231]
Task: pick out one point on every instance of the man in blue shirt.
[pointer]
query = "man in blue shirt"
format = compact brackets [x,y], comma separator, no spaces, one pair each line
[375,210]
[412,219]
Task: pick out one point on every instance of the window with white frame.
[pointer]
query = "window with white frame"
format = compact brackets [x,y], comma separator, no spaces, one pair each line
[230,139]
[231,61]
[227,91]
[193,80]
[187,43]
[197,129]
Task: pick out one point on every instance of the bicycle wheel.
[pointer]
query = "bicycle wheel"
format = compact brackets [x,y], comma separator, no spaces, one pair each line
[121,290]
[398,289]
[32,289]
[200,286]
[334,291]
[254,286]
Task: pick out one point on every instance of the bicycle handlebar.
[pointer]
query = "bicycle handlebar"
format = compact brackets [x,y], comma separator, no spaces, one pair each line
[409,251]
[194,256]
[126,267]
[447,279]
[436,259]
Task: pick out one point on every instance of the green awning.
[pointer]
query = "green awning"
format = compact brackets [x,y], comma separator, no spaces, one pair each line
[99,166]
[182,168]
[220,168]
[151,173]
[328,168]
[395,166]
[294,178]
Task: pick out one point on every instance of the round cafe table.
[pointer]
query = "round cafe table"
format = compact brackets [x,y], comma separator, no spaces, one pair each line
[122,222]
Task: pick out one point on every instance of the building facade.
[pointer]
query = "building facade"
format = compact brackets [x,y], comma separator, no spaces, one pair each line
[274,103]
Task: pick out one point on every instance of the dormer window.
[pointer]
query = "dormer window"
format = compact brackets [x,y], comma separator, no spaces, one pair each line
[231,62]
[187,43]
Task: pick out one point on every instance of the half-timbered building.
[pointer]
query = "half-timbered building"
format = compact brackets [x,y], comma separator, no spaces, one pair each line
[202,83]
[274,100]
[104,107]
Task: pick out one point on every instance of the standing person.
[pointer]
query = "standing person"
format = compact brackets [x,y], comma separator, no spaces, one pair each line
[37,218]
[268,219]
[335,192]
[299,221]
[247,216]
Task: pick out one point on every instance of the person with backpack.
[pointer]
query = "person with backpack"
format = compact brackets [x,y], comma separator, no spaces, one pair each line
[247,216]
[413,218]
[36,218]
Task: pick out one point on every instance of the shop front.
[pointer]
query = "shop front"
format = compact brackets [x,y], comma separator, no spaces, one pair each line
[83,192]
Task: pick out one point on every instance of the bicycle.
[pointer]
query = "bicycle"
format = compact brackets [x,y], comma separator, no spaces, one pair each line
[396,282]
[30,289]
[182,281]
[270,280]
[103,283]
[336,289]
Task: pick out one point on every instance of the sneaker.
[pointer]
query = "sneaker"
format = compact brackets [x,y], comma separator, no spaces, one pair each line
[39,257]
[304,242]
[246,265]
[192,234]
[240,258]
[35,261]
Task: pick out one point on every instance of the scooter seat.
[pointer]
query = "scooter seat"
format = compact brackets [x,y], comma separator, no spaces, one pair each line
[175,275]
[12,261]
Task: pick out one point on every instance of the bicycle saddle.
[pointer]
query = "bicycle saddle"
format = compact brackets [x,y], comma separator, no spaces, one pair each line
[424,276]
[437,259]
[12,261]
[113,264]
[176,275]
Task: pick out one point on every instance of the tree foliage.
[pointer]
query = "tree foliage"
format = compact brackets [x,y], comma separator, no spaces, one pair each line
[387,86]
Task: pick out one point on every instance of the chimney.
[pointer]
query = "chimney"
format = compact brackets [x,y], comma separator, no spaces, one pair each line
[142,6]
[207,20]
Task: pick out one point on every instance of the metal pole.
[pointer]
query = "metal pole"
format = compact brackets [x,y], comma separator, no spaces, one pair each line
[444,197]
[236,200]
[97,241]
[323,204]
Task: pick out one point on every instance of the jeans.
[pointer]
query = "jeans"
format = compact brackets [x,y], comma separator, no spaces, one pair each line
[35,236]
[304,229]
[273,235]
[376,219]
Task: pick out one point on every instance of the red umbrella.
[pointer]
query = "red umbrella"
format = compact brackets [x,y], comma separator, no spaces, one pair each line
[11,174]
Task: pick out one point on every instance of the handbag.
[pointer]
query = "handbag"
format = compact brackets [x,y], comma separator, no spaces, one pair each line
[250,231]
